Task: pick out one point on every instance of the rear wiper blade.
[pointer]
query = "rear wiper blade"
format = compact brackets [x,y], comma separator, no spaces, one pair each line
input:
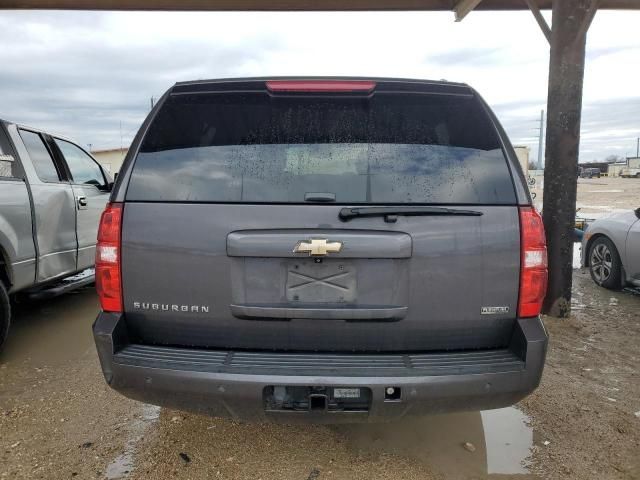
[390,213]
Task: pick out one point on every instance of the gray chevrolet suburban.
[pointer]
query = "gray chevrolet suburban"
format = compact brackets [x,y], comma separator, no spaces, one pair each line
[321,249]
[52,194]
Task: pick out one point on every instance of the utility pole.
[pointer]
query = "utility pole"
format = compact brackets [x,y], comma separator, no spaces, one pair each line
[540,140]
[152,101]
[570,22]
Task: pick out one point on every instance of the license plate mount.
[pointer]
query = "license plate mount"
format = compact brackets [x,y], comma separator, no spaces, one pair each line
[278,398]
[330,281]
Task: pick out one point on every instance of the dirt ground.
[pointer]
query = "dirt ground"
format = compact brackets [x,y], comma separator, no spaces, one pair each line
[600,196]
[588,404]
[59,420]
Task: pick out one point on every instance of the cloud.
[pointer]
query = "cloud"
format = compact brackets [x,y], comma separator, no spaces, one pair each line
[72,74]
[90,75]
[476,57]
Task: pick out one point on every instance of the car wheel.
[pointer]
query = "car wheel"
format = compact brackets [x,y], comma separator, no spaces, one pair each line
[604,264]
[5,314]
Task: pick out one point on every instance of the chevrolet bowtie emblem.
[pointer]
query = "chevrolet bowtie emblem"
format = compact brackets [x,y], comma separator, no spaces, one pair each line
[317,247]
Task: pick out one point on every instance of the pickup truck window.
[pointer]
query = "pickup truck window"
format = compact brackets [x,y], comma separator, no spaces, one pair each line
[83,168]
[7,160]
[40,157]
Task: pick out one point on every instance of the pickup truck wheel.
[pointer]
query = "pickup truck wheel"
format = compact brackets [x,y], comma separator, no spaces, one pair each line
[5,314]
[604,264]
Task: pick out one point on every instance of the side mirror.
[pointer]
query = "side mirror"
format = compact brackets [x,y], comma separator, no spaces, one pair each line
[111,184]
[637,212]
[107,187]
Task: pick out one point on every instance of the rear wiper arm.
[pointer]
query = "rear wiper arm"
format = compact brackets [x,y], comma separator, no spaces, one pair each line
[390,213]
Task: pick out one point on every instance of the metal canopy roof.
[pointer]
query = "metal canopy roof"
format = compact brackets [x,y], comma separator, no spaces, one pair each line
[460,7]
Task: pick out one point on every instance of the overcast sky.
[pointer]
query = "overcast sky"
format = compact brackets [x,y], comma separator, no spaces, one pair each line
[90,75]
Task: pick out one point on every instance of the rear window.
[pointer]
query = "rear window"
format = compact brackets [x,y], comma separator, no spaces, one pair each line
[257,148]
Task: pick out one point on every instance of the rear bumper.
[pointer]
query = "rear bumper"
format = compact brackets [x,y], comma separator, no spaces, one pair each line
[234,384]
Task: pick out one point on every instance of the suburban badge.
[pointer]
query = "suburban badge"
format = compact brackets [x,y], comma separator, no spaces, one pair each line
[171,307]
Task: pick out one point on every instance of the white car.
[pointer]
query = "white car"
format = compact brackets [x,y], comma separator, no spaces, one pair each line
[611,250]
[630,173]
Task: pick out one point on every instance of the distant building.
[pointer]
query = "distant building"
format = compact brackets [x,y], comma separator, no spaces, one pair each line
[614,169]
[111,159]
[522,151]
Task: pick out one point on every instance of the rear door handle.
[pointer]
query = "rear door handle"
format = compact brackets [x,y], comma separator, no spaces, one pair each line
[82,203]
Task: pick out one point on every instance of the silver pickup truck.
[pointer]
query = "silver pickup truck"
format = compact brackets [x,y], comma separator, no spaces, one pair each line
[52,193]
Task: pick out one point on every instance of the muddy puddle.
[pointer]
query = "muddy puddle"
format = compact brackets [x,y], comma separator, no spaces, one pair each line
[588,296]
[124,464]
[488,444]
[52,331]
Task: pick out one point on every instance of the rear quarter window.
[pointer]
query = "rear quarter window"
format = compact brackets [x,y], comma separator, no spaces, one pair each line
[8,163]
[40,157]
[255,148]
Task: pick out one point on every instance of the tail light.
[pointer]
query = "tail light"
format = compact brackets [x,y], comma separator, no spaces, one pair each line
[108,281]
[319,86]
[533,263]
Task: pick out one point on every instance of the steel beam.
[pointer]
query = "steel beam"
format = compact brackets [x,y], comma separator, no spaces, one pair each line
[544,26]
[463,7]
[287,5]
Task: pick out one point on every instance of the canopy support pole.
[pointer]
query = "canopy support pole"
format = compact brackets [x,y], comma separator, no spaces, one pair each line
[570,23]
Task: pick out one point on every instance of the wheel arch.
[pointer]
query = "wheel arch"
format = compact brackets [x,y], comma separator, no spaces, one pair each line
[5,306]
[5,268]
[596,236]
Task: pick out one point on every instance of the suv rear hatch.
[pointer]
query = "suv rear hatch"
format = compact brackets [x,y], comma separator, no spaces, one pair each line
[321,216]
